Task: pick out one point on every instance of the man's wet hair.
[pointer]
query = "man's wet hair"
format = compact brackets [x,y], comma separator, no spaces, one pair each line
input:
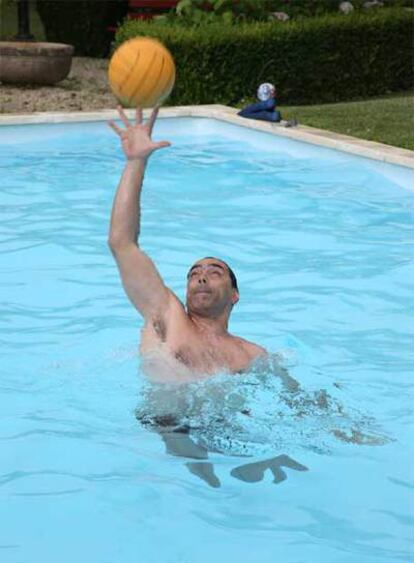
[231,273]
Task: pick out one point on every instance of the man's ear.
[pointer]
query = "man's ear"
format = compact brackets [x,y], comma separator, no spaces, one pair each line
[235,297]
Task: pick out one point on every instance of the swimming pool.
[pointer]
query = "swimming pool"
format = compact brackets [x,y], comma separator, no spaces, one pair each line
[322,243]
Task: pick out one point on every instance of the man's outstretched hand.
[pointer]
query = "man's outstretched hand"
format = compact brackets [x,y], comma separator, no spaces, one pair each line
[136,139]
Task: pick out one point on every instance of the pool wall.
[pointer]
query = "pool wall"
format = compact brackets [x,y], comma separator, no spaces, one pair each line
[360,147]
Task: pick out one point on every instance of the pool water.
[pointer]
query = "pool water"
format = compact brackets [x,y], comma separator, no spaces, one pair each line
[322,243]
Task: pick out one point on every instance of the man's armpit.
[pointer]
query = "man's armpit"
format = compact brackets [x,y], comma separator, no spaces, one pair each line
[160,327]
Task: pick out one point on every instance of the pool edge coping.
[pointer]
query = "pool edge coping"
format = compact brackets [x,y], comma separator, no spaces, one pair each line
[311,135]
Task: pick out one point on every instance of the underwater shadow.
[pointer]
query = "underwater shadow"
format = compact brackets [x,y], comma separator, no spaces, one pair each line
[217,415]
[179,443]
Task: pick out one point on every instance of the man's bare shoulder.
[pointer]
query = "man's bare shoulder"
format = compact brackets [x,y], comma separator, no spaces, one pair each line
[253,350]
[176,316]
[174,300]
[170,319]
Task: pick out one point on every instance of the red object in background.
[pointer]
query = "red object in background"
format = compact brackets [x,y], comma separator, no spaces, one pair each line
[147,9]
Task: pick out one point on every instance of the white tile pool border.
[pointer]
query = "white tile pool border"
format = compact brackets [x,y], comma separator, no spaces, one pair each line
[368,149]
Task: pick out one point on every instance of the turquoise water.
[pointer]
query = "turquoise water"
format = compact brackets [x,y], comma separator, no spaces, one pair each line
[322,244]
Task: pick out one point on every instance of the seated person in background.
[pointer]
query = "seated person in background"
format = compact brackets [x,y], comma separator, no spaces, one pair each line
[265,109]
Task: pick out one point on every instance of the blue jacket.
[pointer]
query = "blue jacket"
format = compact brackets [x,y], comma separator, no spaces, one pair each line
[266,111]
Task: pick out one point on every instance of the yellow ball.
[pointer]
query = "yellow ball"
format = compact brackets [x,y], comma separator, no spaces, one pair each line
[141,72]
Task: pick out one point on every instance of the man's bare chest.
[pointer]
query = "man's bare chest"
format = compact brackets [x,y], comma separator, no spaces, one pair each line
[195,351]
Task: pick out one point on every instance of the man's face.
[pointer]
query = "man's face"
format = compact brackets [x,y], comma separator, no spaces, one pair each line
[209,288]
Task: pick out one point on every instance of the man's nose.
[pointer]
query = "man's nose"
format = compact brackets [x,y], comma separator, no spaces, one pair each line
[202,280]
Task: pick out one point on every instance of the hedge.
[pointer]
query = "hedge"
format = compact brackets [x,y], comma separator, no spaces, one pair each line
[330,58]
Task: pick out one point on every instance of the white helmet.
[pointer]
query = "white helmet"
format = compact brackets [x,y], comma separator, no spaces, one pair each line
[265,91]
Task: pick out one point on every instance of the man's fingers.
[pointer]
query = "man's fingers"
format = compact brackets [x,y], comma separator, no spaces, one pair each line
[115,127]
[162,144]
[123,117]
[138,116]
[153,117]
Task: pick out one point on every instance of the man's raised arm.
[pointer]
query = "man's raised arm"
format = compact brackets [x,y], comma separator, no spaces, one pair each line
[140,278]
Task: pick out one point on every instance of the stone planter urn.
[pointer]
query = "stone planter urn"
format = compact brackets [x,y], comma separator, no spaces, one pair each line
[31,62]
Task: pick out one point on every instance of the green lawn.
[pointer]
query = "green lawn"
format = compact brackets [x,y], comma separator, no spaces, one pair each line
[388,120]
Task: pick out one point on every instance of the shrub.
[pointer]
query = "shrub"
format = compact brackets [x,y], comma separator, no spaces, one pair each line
[309,8]
[199,12]
[316,60]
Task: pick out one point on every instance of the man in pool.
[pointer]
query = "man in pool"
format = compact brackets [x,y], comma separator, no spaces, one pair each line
[177,342]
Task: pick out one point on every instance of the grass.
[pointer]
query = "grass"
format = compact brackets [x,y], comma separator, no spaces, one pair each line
[388,119]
